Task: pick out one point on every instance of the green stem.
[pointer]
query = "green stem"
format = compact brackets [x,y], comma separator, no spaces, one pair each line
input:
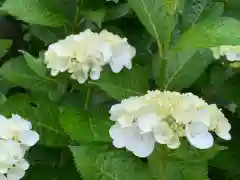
[163,63]
[76,19]
[61,162]
[88,98]
[160,49]
[65,30]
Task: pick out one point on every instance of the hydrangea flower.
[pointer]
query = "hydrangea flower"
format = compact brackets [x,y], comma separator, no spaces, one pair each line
[18,129]
[165,118]
[122,52]
[16,137]
[232,53]
[86,53]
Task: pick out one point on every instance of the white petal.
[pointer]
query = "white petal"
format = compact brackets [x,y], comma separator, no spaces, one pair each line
[223,128]
[15,174]
[118,144]
[80,76]
[23,164]
[29,138]
[125,120]
[81,79]
[232,56]
[5,129]
[59,49]
[123,54]
[128,58]
[95,73]
[163,133]
[203,116]
[143,150]
[130,137]
[198,136]
[60,63]
[174,143]
[142,145]
[129,65]
[118,134]
[225,136]
[216,52]
[2,118]
[10,152]
[3,177]
[4,168]
[147,122]
[19,123]
[54,72]
[24,147]
[107,53]
[116,66]
[113,117]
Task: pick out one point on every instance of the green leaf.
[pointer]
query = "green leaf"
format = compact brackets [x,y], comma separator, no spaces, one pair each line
[156,69]
[96,16]
[233,4]
[68,7]
[4,45]
[17,71]
[41,154]
[46,34]
[163,166]
[49,172]
[192,11]
[42,12]
[157,16]
[212,10]
[43,114]
[51,164]
[3,98]
[36,65]
[196,172]
[117,12]
[175,164]
[189,154]
[219,70]
[84,127]
[73,99]
[211,33]
[46,122]
[185,67]
[124,84]
[229,160]
[95,162]
[229,89]
[1,2]
[57,95]
[91,4]
[5,86]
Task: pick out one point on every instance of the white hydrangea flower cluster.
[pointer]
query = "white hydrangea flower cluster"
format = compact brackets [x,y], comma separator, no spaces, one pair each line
[16,137]
[165,118]
[232,53]
[86,53]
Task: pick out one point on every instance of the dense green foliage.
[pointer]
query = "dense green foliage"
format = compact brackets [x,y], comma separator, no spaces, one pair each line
[171,37]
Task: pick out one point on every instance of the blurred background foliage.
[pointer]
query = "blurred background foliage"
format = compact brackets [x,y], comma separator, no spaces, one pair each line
[32,32]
